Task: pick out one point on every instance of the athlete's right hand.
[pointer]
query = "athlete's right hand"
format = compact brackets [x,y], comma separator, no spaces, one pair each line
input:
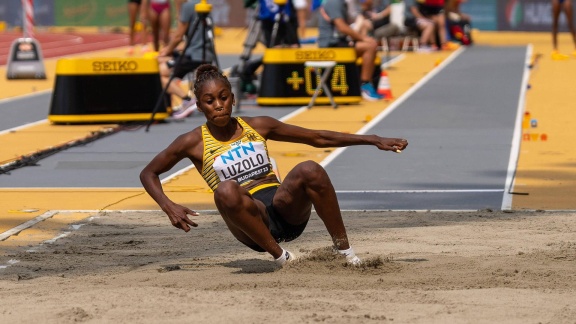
[179,216]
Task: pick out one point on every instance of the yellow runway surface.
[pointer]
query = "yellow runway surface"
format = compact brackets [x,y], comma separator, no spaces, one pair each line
[545,168]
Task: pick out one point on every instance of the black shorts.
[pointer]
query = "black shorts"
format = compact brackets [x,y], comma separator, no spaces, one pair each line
[428,11]
[185,66]
[136,1]
[342,42]
[279,228]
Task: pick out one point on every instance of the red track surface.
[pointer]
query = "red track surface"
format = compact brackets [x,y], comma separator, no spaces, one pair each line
[56,45]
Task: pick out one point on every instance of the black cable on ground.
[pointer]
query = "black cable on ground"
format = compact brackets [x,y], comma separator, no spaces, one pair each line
[32,159]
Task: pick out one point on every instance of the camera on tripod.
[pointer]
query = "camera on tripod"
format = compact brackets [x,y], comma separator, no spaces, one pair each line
[271,25]
[198,49]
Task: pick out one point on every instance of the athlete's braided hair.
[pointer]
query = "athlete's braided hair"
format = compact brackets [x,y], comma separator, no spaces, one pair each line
[207,72]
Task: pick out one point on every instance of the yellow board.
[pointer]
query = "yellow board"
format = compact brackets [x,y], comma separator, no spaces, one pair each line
[99,66]
[287,81]
[92,90]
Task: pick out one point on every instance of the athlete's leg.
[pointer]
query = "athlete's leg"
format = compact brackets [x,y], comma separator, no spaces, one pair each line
[133,8]
[165,20]
[155,25]
[568,13]
[555,17]
[245,217]
[305,185]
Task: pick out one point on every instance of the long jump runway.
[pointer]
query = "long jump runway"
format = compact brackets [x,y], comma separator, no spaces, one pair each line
[461,123]
[461,127]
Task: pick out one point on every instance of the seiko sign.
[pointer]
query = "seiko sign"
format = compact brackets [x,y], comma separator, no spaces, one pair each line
[114,66]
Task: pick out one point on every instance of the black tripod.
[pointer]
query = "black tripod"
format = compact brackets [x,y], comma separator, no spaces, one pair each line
[246,68]
[202,10]
[279,17]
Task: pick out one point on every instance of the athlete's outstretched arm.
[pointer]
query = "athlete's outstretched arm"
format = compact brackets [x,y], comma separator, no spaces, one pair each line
[276,130]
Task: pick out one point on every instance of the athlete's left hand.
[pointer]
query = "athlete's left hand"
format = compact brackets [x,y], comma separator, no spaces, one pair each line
[392,144]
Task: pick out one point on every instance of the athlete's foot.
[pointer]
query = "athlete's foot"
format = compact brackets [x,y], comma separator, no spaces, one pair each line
[285,258]
[130,51]
[350,255]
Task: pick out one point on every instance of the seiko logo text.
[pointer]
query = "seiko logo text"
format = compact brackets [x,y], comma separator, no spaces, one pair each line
[114,66]
[315,55]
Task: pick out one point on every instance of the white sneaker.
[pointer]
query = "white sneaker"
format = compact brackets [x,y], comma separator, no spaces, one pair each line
[425,49]
[183,105]
[285,259]
[350,256]
[185,112]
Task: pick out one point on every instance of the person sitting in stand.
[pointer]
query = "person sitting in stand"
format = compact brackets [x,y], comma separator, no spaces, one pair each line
[459,24]
[381,20]
[259,211]
[429,12]
[334,31]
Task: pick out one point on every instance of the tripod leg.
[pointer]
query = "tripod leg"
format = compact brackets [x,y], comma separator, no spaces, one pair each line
[192,30]
[210,34]
[279,16]
[250,43]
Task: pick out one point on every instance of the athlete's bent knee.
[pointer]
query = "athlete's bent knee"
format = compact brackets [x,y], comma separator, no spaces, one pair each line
[312,170]
[227,194]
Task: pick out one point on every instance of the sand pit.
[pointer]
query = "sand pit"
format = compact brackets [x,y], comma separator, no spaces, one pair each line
[441,267]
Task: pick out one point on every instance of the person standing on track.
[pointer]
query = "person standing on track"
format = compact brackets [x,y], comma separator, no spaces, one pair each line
[232,156]
[197,53]
[160,20]
[135,8]
[557,7]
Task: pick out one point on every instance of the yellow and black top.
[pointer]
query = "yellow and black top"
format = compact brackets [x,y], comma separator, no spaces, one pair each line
[243,159]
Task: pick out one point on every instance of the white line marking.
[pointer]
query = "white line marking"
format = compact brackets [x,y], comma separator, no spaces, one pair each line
[393,61]
[56,238]
[10,262]
[517,137]
[37,93]
[421,191]
[26,225]
[15,129]
[397,103]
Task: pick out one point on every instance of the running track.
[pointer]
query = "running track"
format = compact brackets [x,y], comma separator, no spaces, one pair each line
[56,45]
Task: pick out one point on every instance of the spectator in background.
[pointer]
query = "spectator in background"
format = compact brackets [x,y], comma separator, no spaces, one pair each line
[382,26]
[137,8]
[432,11]
[459,23]
[358,12]
[178,6]
[197,53]
[334,31]
[301,7]
[424,25]
[557,7]
[160,20]
[287,35]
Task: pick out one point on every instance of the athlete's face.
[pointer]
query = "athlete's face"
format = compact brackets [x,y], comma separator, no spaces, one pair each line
[216,101]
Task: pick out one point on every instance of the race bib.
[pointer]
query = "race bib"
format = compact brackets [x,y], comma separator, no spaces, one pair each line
[243,162]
